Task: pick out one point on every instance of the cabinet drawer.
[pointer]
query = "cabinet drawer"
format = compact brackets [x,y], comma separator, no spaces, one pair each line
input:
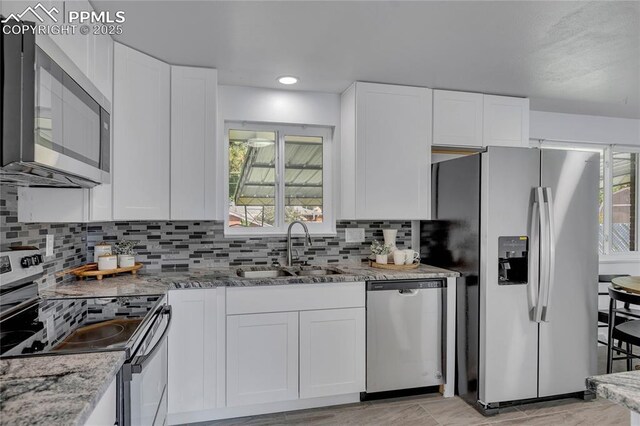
[303,297]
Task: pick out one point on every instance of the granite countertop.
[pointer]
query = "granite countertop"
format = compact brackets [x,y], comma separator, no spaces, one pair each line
[55,390]
[621,388]
[64,389]
[152,282]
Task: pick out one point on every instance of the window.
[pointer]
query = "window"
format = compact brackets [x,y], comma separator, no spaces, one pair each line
[259,200]
[618,194]
[619,218]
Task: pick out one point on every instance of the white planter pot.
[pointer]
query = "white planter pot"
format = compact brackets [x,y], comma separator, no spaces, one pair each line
[101,250]
[382,258]
[107,262]
[126,260]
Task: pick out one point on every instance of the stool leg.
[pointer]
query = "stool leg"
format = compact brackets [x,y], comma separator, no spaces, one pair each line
[610,342]
[629,357]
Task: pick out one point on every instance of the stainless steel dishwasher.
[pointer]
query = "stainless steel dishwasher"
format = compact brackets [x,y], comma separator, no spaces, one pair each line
[405,321]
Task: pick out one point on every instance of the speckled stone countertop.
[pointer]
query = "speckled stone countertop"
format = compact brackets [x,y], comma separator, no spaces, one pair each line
[621,388]
[152,282]
[55,390]
[64,389]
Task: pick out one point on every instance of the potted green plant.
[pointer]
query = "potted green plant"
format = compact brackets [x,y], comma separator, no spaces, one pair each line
[381,251]
[125,252]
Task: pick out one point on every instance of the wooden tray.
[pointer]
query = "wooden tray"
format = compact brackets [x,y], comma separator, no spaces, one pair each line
[90,270]
[393,266]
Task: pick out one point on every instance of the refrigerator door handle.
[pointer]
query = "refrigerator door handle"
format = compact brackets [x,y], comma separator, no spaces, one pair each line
[551,253]
[534,259]
[544,250]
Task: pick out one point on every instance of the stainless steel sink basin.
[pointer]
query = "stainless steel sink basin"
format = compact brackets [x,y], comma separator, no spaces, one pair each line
[265,273]
[317,271]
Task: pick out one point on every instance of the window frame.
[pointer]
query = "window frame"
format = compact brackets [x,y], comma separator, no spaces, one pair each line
[606,152]
[328,225]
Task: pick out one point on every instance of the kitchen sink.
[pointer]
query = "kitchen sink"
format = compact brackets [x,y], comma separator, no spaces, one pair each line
[317,271]
[264,273]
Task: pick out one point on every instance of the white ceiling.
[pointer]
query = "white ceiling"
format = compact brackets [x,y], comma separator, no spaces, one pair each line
[575,57]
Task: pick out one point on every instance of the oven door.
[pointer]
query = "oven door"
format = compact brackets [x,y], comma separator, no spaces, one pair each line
[145,395]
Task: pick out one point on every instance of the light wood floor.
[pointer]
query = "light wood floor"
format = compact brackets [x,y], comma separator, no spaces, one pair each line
[432,410]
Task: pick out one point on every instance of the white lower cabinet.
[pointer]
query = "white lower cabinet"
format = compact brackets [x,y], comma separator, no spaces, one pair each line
[332,352]
[242,351]
[193,360]
[104,413]
[262,358]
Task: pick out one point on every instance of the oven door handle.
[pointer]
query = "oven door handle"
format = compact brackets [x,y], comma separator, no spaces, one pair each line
[138,363]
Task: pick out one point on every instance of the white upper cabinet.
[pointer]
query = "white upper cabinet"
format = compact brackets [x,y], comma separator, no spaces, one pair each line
[457,118]
[193,138]
[386,152]
[101,64]
[506,121]
[141,141]
[476,120]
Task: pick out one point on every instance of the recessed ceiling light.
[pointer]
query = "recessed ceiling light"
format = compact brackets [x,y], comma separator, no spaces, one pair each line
[287,79]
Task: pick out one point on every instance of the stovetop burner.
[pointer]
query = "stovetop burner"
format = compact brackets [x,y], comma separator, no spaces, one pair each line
[107,334]
[74,325]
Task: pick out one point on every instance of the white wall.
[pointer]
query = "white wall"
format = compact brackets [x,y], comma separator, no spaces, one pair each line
[584,128]
[240,103]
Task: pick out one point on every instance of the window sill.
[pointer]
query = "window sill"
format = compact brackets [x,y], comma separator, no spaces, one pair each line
[631,257]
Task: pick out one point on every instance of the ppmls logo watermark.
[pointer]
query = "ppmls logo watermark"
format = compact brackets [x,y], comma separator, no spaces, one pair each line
[51,21]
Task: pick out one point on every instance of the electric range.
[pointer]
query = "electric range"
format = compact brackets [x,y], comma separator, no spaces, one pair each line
[137,325]
[33,326]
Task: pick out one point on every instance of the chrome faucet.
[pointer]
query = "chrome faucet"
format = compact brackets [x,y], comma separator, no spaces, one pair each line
[289,248]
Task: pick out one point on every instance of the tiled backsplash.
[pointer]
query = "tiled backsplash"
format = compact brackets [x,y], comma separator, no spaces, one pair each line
[69,238]
[167,245]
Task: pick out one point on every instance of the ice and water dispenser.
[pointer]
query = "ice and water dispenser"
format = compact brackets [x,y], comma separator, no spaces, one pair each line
[513,260]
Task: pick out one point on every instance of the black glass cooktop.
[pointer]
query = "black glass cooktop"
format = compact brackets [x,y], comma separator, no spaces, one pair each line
[76,325]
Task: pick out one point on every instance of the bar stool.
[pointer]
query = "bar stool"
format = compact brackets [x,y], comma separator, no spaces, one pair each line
[603,314]
[627,331]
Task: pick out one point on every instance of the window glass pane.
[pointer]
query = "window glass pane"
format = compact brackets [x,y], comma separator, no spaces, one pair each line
[624,203]
[252,172]
[601,208]
[303,178]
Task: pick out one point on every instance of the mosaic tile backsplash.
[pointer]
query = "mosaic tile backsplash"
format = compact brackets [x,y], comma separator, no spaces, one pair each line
[184,244]
[70,239]
[170,245]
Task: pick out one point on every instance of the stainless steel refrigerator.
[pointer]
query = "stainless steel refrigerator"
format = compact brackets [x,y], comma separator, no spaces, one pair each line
[521,225]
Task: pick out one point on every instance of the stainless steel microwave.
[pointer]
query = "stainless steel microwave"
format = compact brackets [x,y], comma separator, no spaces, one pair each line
[55,122]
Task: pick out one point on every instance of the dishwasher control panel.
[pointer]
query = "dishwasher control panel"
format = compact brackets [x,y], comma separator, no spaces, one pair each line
[405,284]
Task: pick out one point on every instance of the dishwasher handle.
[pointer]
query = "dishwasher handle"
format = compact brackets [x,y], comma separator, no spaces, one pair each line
[403,286]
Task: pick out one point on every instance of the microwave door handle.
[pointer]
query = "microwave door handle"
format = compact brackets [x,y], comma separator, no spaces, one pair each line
[534,260]
[139,362]
[543,250]
[551,253]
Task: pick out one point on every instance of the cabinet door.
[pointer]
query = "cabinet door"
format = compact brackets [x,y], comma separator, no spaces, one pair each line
[457,118]
[506,121]
[332,352]
[141,111]
[193,137]
[101,64]
[192,350]
[262,358]
[104,413]
[393,151]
